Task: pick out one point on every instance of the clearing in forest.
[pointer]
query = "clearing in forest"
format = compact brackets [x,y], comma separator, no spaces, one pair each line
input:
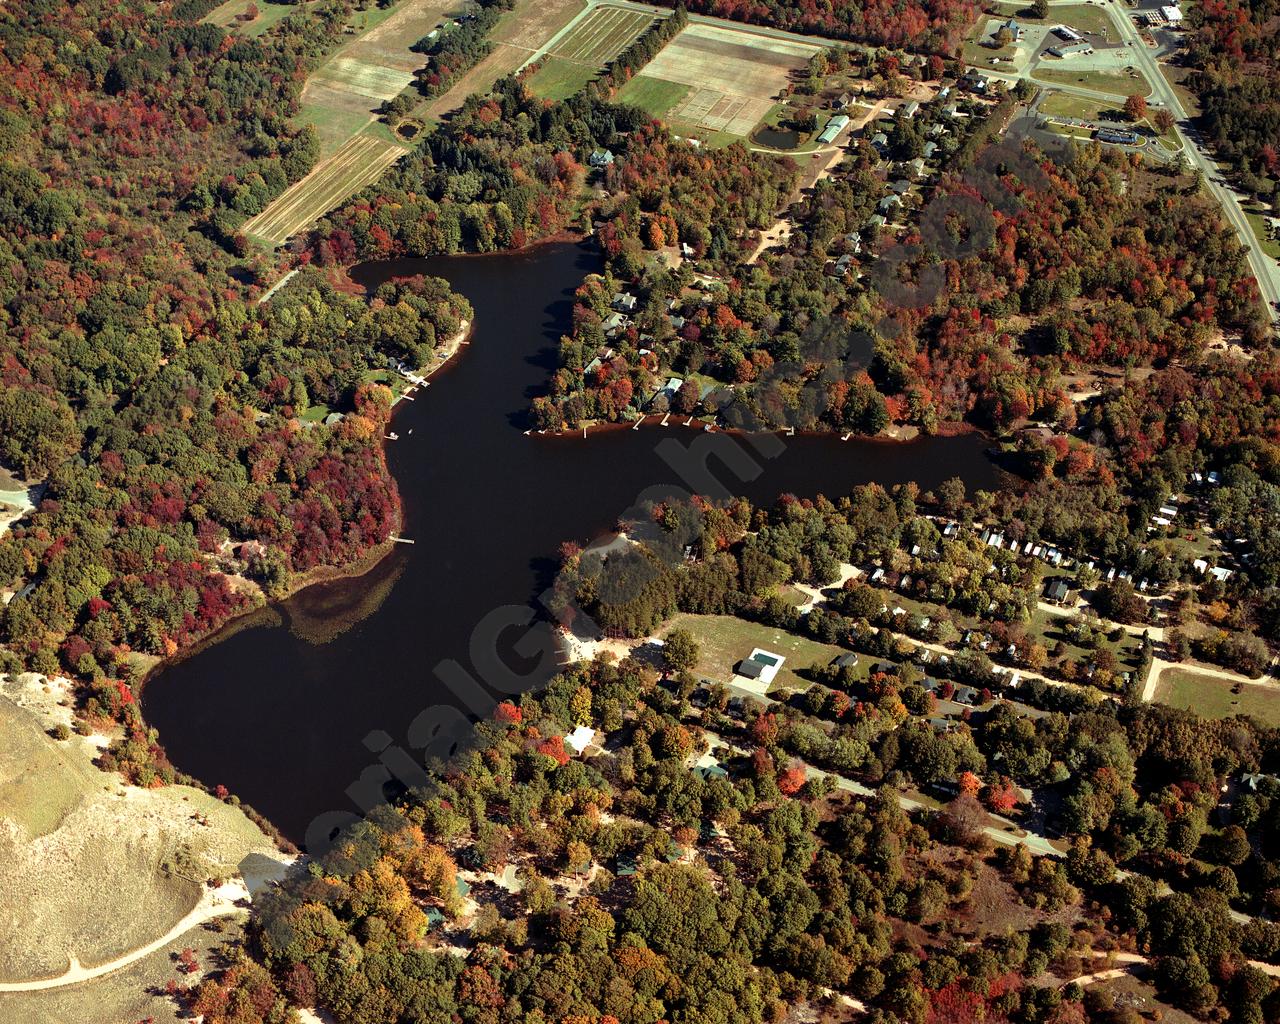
[357,164]
[731,77]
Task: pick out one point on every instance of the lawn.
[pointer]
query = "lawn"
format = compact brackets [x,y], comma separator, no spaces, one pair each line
[723,641]
[559,79]
[1270,245]
[1083,18]
[652,95]
[1061,104]
[1212,698]
[1113,82]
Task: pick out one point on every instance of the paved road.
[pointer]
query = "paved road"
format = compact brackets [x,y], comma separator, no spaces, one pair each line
[1265,269]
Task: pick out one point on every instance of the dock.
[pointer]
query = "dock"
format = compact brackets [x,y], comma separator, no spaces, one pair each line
[638,422]
[665,418]
[402,540]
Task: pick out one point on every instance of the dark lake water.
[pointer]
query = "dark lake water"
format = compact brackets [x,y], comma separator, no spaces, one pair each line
[778,138]
[279,708]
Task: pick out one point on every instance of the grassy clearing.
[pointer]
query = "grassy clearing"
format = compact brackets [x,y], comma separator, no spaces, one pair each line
[1061,104]
[723,641]
[652,95]
[1083,18]
[229,15]
[1113,82]
[559,79]
[1212,698]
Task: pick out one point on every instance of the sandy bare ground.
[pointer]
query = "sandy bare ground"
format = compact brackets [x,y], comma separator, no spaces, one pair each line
[92,871]
[213,902]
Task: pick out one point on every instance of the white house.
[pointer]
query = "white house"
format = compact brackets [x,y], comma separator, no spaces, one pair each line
[581,738]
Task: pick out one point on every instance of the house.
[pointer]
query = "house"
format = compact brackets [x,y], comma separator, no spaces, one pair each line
[975,81]
[880,141]
[834,127]
[333,419]
[1057,590]
[965,695]
[614,322]
[944,92]
[908,110]
[929,148]
[846,660]
[1117,136]
[845,99]
[951,110]
[1064,51]
[1015,30]
[624,302]
[600,158]
[887,204]
[943,725]
[938,129]
[900,187]
[916,166]
[761,664]
[876,221]
[839,267]
[581,738]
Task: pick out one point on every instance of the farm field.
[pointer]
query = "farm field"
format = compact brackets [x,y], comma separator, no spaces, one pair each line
[520,36]
[601,35]
[559,79]
[1212,698]
[577,56]
[344,93]
[652,95]
[723,641]
[355,165]
[732,77]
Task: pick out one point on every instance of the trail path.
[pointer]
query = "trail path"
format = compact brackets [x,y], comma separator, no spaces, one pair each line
[213,903]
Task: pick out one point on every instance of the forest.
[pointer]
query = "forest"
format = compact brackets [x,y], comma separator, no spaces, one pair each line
[165,413]
[1234,52]
[930,26]
[710,863]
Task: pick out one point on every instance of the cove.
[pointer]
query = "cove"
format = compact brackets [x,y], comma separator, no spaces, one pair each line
[278,707]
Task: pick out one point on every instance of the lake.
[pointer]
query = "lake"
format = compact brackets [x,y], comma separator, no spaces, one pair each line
[280,707]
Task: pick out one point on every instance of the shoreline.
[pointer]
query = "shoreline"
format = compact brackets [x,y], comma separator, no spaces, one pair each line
[318,574]
[894,435]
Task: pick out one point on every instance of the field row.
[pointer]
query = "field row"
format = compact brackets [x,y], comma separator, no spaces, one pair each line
[355,165]
[602,35]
